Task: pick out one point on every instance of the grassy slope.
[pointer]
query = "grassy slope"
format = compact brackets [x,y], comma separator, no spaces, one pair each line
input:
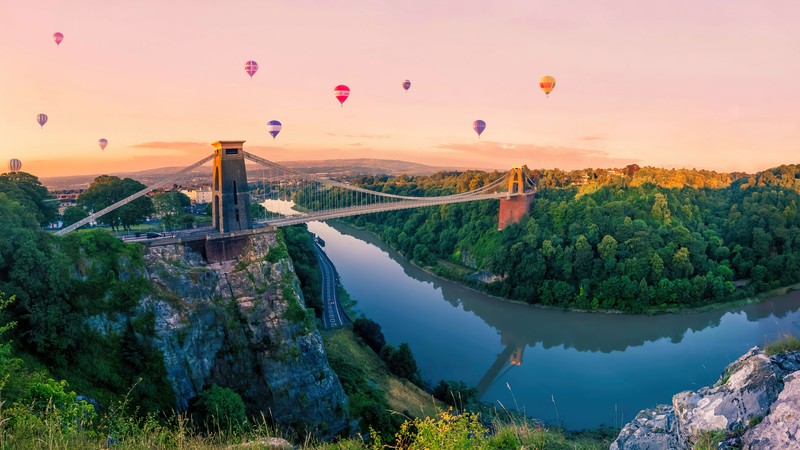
[343,347]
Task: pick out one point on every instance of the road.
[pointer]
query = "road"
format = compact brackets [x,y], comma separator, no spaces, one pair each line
[332,314]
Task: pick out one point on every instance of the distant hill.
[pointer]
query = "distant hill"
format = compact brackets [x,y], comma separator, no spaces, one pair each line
[202,175]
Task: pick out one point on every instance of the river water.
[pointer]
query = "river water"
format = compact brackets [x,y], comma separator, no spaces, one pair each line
[582,370]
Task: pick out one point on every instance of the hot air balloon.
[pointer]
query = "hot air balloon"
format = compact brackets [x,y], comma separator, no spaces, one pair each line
[14,165]
[406,85]
[42,119]
[273,127]
[58,37]
[547,83]
[341,92]
[102,143]
[479,126]
[251,67]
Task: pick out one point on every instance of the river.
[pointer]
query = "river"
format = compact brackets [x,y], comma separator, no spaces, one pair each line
[582,370]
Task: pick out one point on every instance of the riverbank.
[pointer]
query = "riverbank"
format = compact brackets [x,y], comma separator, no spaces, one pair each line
[448,266]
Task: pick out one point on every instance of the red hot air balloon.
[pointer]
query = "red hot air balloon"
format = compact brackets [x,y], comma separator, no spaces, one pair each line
[251,67]
[42,119]
[58,37]
[479,126]
[341,92]
[102,143]
[14,165]
[406,85]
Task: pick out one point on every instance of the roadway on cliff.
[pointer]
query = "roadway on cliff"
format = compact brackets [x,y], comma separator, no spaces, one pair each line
[332,314]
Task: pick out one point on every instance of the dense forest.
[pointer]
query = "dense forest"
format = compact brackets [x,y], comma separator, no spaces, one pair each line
[632,239]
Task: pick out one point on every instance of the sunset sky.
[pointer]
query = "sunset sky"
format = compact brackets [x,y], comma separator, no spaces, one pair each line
[709,84]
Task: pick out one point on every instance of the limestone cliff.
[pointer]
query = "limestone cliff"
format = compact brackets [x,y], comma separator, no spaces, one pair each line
[242,324]
[754,405]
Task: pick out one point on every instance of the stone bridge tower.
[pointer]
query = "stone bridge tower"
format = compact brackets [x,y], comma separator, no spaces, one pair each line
[518,203]
[231,207]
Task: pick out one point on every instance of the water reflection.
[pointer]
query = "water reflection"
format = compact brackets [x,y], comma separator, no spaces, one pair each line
[554,327]
[599,368]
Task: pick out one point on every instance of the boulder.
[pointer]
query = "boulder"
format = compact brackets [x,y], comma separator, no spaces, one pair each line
[781,427]
[652,429]
[745,392]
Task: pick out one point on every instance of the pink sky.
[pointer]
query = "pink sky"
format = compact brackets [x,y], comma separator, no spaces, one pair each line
[709,84]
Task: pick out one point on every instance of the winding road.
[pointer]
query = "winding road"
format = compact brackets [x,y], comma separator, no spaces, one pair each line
[332,314]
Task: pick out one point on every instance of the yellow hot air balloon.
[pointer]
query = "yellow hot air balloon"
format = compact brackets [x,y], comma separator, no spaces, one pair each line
[547,83]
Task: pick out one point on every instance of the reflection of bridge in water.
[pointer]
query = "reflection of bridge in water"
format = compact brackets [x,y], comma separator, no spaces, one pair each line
[324,198]
[520,326]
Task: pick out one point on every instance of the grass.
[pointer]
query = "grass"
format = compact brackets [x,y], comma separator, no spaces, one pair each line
[787,343]
[401,395]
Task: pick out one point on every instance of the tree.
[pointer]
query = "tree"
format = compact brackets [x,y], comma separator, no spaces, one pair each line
[403,364]
[106,190]
[73,214]
[26,189]
[169,207]
[370,332]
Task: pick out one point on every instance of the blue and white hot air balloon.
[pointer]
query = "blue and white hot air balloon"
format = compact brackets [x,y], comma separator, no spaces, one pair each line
[273,127]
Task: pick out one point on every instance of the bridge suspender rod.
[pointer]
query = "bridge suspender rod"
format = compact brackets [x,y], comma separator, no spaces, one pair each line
[131,198]
[332,183]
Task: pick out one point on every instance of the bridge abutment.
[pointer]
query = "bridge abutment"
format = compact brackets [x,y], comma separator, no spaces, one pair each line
[513,209]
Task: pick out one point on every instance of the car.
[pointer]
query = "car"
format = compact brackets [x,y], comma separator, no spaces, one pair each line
[153,235]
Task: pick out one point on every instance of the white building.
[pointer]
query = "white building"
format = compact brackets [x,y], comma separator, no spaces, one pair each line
[197,196]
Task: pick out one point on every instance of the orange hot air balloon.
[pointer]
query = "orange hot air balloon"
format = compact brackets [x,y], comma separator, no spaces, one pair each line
[547,83]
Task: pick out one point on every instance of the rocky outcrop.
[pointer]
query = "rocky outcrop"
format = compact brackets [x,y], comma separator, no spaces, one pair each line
[752,388]
[242,324]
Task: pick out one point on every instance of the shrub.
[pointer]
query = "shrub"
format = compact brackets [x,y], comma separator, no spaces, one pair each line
[222,408]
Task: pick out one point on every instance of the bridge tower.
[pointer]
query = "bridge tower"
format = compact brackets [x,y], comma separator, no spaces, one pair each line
[231,207]
[518,203]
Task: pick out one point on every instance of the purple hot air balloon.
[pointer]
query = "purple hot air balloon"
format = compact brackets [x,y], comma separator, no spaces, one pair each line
[274,127]
[102,143]
[14,165]
[479,126]
[406,85]
[42,119]
[58,37]
[251,67]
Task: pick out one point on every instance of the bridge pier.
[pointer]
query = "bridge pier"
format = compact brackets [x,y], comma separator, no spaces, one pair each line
[231,198]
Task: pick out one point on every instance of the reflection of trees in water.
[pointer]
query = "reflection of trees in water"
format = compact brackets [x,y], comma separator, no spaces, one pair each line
[523,325]
[520,326]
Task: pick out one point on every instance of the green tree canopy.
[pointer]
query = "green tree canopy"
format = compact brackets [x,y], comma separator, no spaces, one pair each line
[106,190]
[29,192]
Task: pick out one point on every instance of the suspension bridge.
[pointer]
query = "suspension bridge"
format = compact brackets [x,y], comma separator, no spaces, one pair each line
[320,198]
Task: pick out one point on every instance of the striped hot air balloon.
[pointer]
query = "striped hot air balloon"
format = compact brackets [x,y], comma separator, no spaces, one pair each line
[251,67]
[406,85]
[42,119]
[479,126]
[14,165]
[58,37]
[273,128]
[547,83]
[341,92]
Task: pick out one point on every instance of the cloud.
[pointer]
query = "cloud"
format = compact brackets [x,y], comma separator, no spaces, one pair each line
[504,155]
[368,136]
[356,144]
[592,137]
[181,146]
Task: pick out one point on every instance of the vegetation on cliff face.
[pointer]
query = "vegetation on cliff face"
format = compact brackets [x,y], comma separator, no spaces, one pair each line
[632,240]
[69,293]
